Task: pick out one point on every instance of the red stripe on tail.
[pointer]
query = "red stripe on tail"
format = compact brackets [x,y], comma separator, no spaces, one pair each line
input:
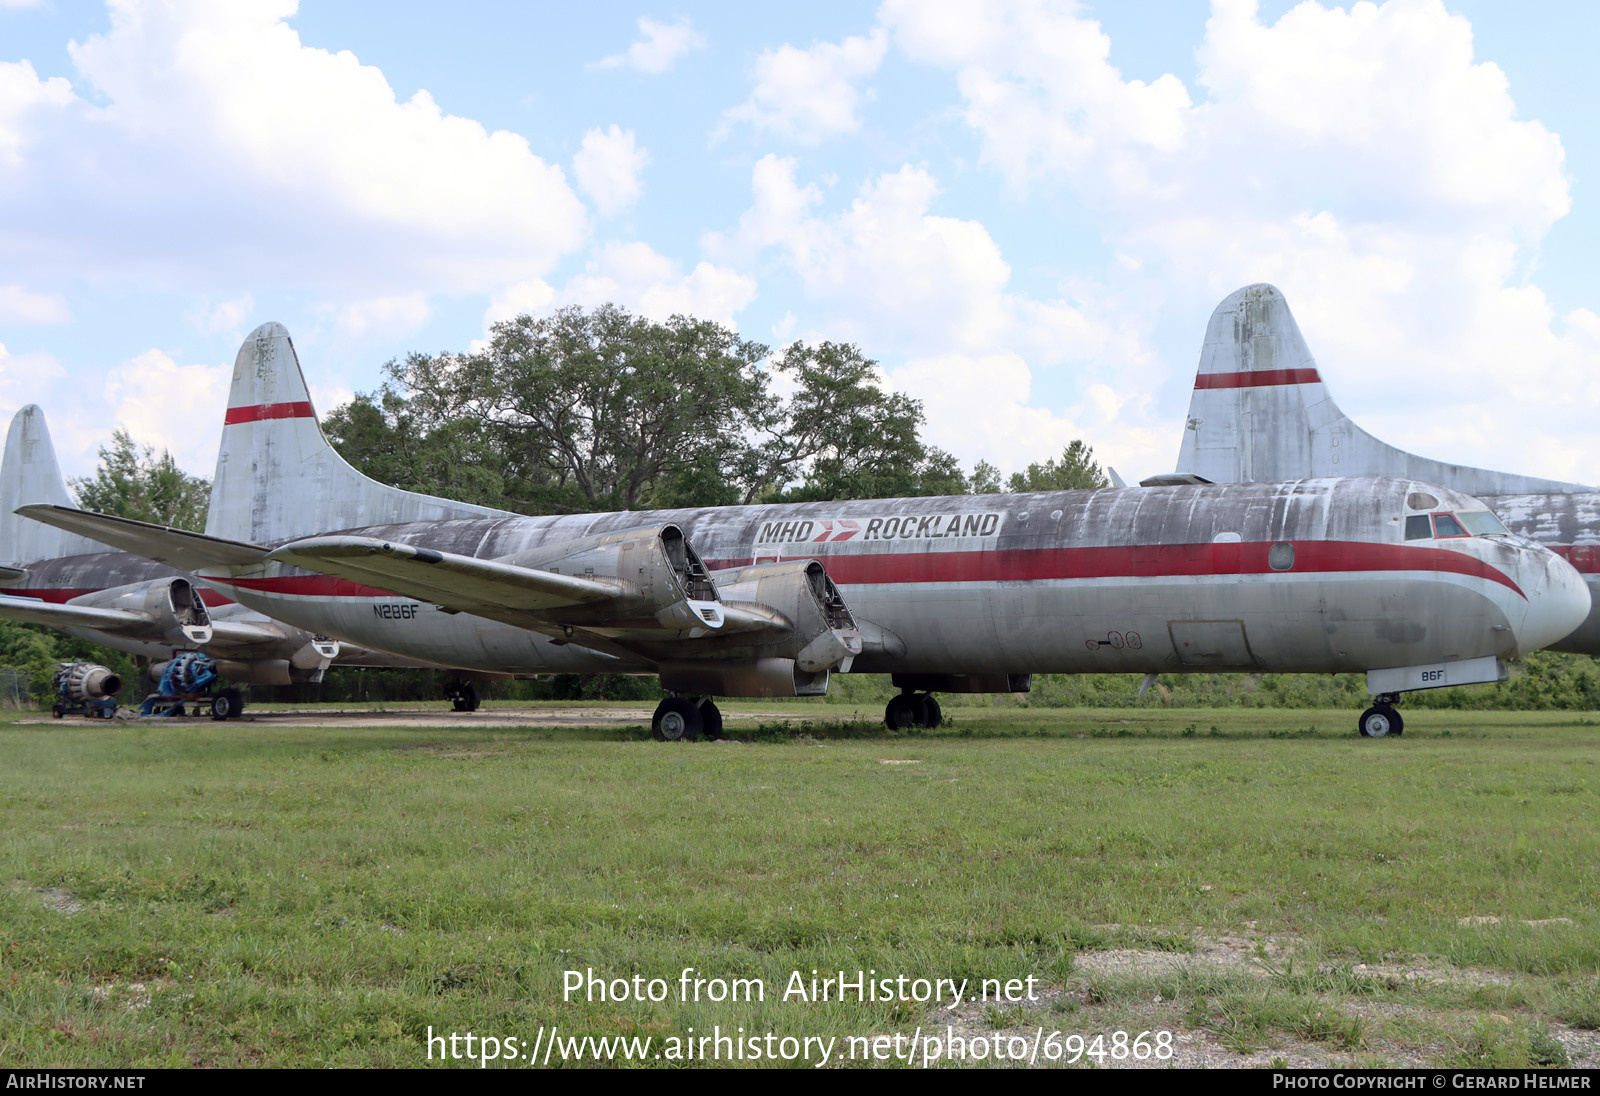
[260,411]
[1257,378]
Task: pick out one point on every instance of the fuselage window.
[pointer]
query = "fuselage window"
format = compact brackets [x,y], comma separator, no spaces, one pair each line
[1417,527]
[1280,557]
[1446,525]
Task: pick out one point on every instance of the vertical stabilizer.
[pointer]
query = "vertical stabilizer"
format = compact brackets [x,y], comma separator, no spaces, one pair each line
[1260,413]
[277,478]
[30,474]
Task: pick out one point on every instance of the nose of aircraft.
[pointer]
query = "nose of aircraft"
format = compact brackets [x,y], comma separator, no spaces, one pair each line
[1558,600]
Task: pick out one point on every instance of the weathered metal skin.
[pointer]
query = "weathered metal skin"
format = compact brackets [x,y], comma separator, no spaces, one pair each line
[1306,576]
[1260,413]
[1068,582]
[61,568]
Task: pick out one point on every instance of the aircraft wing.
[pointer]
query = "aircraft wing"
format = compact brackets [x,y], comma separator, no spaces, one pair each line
[460,583]
[31,610]
[175,547]
[10,576]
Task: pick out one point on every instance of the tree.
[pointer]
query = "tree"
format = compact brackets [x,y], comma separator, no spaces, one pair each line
[842,436]
[1076,469]
[601,407]
[132,482]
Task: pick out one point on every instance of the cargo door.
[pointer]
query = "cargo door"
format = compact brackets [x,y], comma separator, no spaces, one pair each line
[1211,643]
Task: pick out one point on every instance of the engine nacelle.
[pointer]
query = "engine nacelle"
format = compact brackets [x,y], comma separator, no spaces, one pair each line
[756,677]
[824,634]
[173,606]
[664,583]
[81,682]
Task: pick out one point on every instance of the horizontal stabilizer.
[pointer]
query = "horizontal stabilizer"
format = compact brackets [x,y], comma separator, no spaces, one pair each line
[30,610]
[459,583]
[175,547]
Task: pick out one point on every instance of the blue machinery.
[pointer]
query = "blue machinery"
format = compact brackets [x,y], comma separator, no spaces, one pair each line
[186,681]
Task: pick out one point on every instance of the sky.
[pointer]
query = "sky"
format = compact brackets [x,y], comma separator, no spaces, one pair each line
[1023,210]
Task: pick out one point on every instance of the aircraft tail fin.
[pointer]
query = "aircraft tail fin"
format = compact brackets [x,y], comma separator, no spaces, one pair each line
[30,474]
[277,477]
[1260,413]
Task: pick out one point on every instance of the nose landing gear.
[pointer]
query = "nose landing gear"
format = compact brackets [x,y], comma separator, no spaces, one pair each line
[1381,720]
[911,709]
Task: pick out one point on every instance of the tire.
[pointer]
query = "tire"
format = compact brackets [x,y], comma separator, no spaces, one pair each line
[903,711]
[1380,721]
[932,714]
[226,704]
[56,712]
[710,720]
[474,697]
[677,719]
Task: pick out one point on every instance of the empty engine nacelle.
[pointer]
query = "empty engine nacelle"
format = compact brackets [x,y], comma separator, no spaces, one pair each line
[172,605]
[664,582]
[824,634]
[81,682]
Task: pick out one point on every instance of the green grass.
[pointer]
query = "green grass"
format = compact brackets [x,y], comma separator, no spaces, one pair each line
[322,896]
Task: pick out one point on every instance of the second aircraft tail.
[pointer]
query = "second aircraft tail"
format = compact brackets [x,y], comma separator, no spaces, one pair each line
[1260,413]
[277,477]
[29,475]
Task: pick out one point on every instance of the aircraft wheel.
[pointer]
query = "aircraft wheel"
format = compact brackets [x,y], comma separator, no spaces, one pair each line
[711,719]
[932,715]
[903,711]
[677,719]
[1380,721]
[226,704]
[466,698]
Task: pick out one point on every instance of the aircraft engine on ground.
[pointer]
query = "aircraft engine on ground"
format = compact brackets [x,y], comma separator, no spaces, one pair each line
[81,682]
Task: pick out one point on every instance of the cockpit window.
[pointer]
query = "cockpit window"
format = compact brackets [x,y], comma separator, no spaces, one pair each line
[1446,525]
[1418,527]
[1481,523]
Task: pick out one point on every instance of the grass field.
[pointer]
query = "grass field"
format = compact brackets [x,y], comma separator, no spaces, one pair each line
[228,894]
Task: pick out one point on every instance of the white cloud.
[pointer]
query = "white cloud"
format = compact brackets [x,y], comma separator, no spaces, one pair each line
[170,406]
[659,49]
[393,316]
[608,167]
[641,279]
[218,124]
[21,305]
[228,317]
[932,293]
[1363,160]
[809,95]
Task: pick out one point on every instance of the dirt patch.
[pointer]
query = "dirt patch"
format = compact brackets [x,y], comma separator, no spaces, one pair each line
[62,901]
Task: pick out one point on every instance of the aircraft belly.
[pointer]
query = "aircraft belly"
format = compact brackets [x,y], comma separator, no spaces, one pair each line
[1298,623]
[419,631]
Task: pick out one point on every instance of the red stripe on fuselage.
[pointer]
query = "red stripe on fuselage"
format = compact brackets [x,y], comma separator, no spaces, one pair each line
[306,586]
[1257,378]
[62,595]
[1041,564]
[260,411]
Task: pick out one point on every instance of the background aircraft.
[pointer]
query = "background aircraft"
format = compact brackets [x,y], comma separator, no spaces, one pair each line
[129,603]
[1260,413]
[967,593]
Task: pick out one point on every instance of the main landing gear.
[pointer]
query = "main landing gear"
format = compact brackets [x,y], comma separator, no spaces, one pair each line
[1381,720]
[463,696]
[686,719]
[911,709]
